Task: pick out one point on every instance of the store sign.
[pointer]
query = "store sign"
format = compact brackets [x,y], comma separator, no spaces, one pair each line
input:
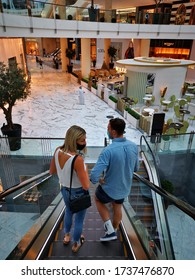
[100,50]
[167,44]
[121,69]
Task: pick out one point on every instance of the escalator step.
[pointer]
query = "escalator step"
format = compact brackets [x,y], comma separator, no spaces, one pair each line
[87,258]
[91,234]
[90,249]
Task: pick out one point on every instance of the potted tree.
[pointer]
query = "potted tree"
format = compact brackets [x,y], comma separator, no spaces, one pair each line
[70,53]
[112,54]
[156,15]
[14,85]
[167,186]
[93,13]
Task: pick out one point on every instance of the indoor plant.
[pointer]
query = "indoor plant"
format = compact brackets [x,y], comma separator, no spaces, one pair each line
[112,54]
[167,186]
[156,15]
[70,53]
[93,13]
[112,102]
[14,85]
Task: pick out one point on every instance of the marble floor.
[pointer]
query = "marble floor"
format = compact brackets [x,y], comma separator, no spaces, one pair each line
[53,107]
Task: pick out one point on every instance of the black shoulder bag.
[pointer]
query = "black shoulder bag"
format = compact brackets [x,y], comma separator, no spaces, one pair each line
[81,202]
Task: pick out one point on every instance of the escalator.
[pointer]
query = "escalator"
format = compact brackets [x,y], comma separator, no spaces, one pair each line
[93,230]
[143,234]
[92,248]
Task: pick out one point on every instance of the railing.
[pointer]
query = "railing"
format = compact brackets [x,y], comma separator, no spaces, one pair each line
[175,157]
[24,211]
[58,11]
[33,158]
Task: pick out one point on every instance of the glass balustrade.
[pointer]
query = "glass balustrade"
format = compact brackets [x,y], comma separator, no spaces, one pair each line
[175,159]
[145,218]
[174,164]
[59,11]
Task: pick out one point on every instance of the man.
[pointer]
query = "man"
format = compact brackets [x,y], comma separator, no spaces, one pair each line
[114,171]
[81,96]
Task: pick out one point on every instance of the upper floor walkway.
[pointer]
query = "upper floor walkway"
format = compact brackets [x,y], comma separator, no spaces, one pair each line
[55,20]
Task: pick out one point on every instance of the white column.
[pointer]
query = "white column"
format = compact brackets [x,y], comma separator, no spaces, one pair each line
[141,47]
[100,52]
[85,57]
[63,46]
[145,47]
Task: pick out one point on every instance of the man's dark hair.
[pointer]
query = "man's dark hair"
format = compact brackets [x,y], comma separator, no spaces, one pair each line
[118,125]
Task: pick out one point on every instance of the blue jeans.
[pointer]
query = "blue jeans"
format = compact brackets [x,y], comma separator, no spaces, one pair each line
[68,217]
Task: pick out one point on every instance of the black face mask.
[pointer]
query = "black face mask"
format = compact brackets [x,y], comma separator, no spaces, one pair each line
[80,147]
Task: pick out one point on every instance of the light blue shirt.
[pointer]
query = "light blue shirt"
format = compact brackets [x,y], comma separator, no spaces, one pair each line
[118,161]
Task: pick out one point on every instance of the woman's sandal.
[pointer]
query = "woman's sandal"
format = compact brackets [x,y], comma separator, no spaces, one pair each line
[66,240]
[77,246]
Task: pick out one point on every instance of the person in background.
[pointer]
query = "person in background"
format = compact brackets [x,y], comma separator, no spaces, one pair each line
[81,96]
[114,172]
[75,142]
[146,18]
[41,63]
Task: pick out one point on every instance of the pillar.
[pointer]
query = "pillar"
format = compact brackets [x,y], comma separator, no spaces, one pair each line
[107,43]
[62,9]
[145,47]
[64,59]
[108,8]
[39,46]
[85,57]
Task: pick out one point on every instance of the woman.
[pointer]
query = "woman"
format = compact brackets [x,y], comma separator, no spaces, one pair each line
[75,141]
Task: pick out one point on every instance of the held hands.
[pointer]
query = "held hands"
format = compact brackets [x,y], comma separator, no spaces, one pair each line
[101,181]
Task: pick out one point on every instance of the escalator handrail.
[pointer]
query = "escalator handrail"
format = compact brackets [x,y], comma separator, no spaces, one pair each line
[182,205]
[151,152]
[23,184]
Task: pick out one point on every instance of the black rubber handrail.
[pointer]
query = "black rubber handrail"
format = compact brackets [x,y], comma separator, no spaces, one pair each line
[23,184]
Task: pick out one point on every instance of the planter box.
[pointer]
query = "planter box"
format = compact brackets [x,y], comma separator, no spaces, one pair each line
[133,121]
[107,93]
[125,114]
[112,104]
[93,90]
[100,90]
[84,84]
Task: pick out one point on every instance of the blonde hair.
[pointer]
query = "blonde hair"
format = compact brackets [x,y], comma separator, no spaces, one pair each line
[73,134]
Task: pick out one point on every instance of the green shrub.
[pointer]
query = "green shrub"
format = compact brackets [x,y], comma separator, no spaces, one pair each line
[113,99]
[86,80]
[133,113]
[165,137]
[94,86]
[74,74]
[167,186]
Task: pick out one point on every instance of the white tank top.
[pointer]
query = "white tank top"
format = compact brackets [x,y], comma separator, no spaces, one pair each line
[64,173]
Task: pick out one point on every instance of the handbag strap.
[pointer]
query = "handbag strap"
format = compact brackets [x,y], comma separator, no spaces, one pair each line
[71,173]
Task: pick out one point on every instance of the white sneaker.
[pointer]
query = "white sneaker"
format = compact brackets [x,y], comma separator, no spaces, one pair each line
[109,237]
